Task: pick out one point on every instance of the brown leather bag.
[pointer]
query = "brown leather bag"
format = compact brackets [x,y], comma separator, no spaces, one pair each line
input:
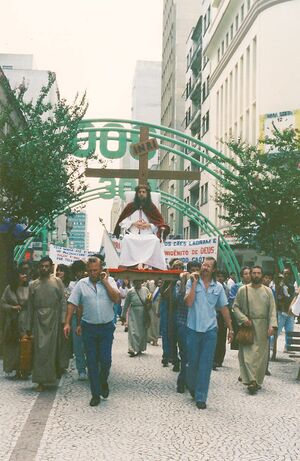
[245,334]
[26,349]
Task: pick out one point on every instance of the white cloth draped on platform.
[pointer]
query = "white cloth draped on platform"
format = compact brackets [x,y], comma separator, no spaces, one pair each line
[141,246]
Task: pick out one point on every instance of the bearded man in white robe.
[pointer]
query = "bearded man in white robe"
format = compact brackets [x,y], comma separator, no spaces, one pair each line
[145,229]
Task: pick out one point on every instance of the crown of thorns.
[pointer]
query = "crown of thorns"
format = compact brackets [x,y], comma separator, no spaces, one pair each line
[143,186]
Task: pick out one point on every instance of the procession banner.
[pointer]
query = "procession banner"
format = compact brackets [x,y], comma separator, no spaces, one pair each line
[191,250]
[185,250]
[62,255]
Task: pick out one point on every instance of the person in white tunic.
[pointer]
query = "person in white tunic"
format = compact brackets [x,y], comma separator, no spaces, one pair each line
[144,227]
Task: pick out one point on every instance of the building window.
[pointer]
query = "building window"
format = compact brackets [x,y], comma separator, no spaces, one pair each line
[204,194]
[231,32]
[205,123]
[219,54]
[236,22]
[223,47]
[242,13]
[227,39]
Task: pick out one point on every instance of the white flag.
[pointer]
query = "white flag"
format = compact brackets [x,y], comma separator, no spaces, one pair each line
[111,255]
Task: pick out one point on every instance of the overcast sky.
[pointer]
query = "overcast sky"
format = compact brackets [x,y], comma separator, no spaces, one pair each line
[91,45]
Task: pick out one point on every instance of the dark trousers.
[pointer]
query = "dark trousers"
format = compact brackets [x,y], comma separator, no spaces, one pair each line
[168,333]
[181,335]
[221,341]
[98,341]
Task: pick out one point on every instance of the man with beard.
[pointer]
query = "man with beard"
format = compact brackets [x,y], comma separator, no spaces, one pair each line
[254,305]
[145,228]
[45,305]
[204,296]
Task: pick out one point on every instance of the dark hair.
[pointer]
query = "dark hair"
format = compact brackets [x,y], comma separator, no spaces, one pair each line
[46,259]
[243,269]
[148,202]
[123,284]
[191,264]
[78,266]
[268,274]
[13,279]
[66,270]
[257,267]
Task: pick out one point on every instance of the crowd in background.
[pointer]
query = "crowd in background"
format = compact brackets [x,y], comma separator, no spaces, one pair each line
[194,316]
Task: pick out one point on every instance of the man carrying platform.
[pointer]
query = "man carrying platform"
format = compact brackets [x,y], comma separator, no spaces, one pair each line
[145,229]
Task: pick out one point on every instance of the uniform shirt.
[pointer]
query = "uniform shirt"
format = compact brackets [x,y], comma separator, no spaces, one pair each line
[97,305]
[202,314]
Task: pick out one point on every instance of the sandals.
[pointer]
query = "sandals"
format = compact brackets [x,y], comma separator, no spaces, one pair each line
[253,387]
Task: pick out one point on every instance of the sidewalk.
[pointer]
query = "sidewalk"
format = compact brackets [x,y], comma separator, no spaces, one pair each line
[145,419]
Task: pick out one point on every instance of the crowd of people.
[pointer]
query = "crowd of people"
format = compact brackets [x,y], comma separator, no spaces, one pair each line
[73,314]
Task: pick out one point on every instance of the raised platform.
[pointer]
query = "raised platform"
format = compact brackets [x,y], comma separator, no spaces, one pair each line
[134,274]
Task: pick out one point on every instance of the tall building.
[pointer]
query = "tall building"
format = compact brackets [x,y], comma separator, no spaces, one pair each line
[78,231]
[178,19]
[20,70]
[248,80]
[146,94]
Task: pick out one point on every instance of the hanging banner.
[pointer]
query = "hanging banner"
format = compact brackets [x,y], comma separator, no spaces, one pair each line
[191,250]
[184,250]
[62,255]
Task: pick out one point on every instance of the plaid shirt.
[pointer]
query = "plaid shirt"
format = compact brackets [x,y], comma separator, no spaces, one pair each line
[181,308]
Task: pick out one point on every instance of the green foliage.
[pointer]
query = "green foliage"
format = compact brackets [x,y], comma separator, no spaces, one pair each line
[263,201]
[39,176]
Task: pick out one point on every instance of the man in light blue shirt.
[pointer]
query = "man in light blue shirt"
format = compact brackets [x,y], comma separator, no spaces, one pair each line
[97,294]
[203,296]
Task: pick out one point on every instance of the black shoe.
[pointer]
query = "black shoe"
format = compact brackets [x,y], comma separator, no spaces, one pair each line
[165,362]
[126,329]
[133,354]
[201,405]
[104,390]
[268,373]
[180,388]
[94,401]
[176,367]
[214,367]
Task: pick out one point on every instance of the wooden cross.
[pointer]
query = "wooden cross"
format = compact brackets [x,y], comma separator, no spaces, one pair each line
[142,149]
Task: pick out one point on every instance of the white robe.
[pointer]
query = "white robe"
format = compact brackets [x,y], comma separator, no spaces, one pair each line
[141,246]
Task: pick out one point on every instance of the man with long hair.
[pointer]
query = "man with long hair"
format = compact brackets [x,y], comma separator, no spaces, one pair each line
[144,231]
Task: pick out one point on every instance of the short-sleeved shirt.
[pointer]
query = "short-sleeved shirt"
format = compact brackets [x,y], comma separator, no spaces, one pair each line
[202,315]
[97,305]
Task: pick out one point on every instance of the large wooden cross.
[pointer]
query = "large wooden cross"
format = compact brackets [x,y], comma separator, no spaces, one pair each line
[141,149]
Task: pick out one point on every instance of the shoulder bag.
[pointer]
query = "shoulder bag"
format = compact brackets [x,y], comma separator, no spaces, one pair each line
[147,305]
[245,334]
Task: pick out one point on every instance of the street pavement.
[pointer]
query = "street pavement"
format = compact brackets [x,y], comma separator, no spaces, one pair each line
[145,419]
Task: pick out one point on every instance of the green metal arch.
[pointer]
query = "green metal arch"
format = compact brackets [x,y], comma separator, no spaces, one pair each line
[184,141]
[193,213]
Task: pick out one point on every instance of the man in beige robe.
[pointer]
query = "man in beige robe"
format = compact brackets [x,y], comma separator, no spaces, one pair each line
[259,311]
[46,299]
